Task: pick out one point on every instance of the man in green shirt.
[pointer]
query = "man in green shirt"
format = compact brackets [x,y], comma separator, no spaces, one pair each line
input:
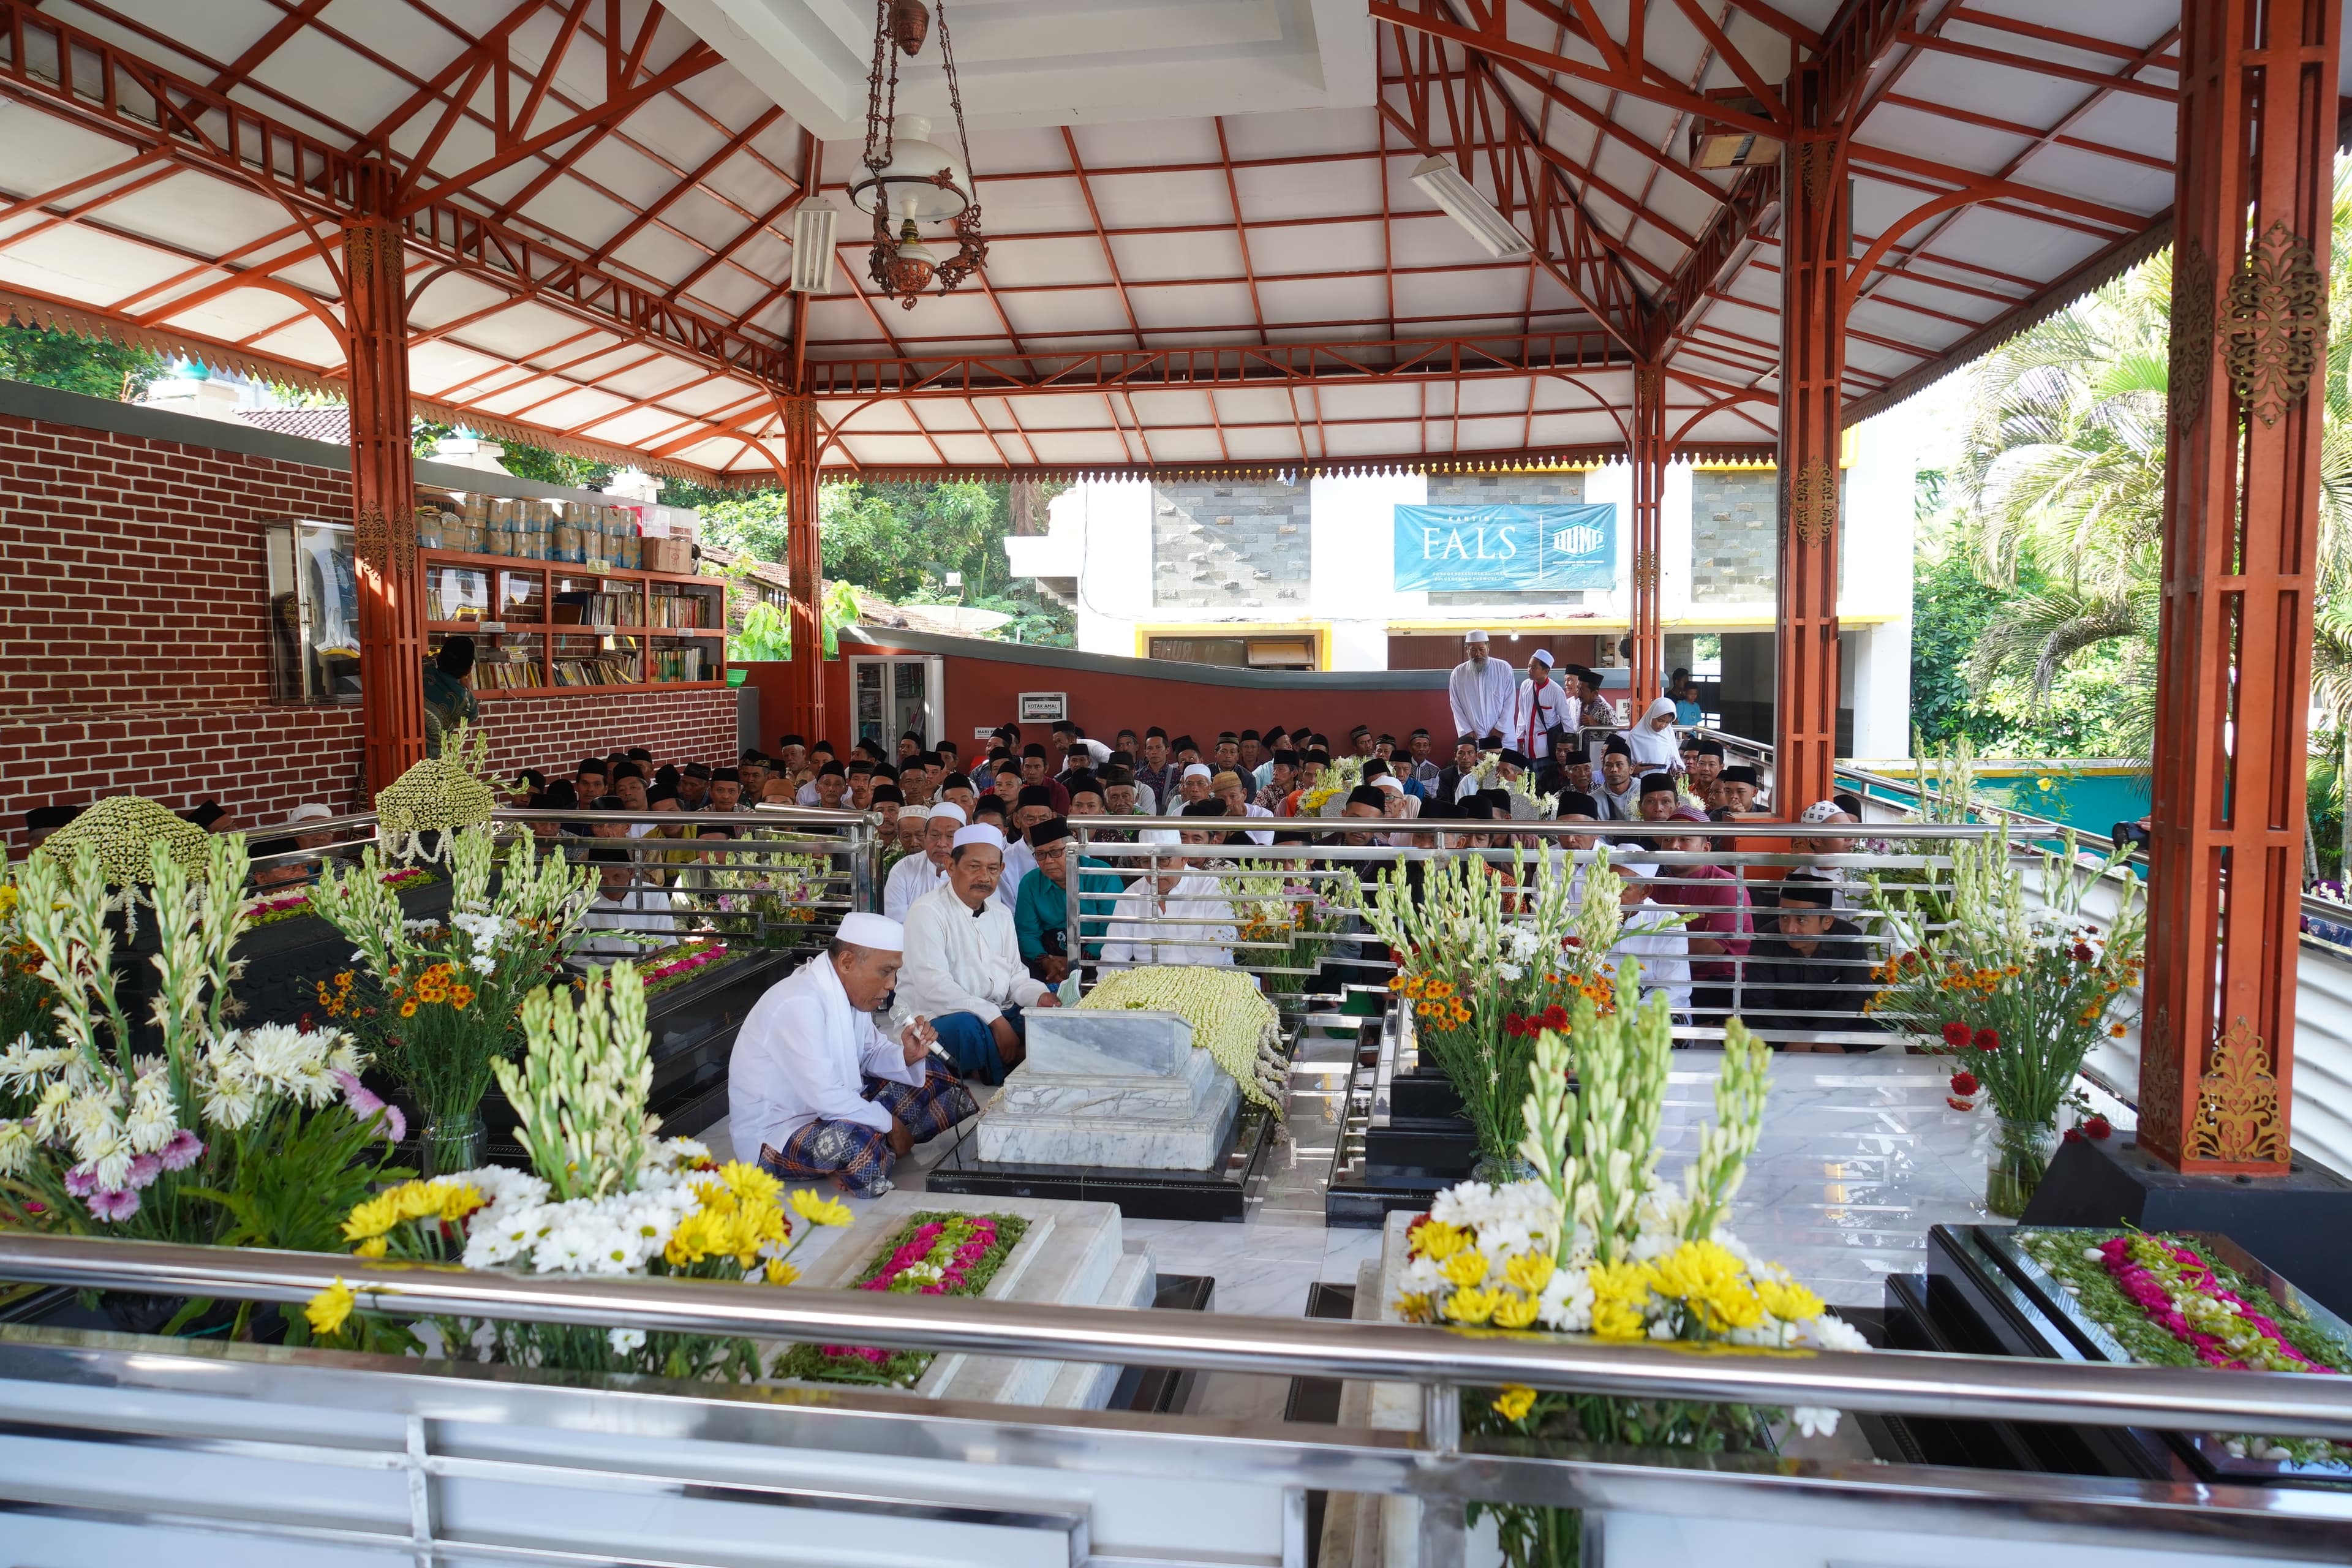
[448,701]
[1041,914]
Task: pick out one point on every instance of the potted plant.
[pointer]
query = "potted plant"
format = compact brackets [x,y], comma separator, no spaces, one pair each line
[223,1137]
[1487,967]
[440,1002]
[2019,988]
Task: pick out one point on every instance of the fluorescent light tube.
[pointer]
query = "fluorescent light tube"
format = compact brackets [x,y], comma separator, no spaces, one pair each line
[1442,182]
[813,248]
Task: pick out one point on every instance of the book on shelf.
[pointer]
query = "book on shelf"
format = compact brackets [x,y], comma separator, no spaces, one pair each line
[609,669]
[678,611]
[678,664]
[574,609]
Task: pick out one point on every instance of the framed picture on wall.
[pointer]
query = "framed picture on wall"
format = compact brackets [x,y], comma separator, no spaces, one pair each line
[1044,707]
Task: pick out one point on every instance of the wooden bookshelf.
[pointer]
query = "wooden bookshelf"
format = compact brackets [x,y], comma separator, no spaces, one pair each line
[534,636]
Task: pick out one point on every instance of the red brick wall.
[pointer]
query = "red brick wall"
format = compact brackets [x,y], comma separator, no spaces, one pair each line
[133,658]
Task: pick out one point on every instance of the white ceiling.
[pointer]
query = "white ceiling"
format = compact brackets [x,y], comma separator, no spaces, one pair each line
[1053,62]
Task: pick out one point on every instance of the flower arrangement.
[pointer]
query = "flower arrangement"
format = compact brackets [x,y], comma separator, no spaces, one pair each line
[2166,1303]
[124,832]
[271,908]
[767,902]
[1527,805]
[934,1253]
[226,1136]
[602,1196]
[1595,1242]
[1330,795]
[1231,1020]
[1275,909]
[1477,959]
[666,969]
[2020,989]
[25,998]
[436,797]
[440,1002]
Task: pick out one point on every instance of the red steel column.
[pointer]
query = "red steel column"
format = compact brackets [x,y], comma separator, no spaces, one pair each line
[1648,457]
[804,710]
[383,490]
[1813,243]
[2257,140]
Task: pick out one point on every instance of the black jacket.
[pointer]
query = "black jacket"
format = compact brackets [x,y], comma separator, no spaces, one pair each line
[1822,992]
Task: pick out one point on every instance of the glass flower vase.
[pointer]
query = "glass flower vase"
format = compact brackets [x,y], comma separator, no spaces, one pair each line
[454,1143]
[2022,1151]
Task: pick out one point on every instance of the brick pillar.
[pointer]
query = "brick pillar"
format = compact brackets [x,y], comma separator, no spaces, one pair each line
[1647,454]
[383,491]
[804,710]
[1813,243]
[2257,139]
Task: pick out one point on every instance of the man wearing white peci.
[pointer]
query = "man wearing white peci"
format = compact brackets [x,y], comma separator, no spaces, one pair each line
[815,1091]
[915,875]
[1480,691]
[1168,916]
[964,962]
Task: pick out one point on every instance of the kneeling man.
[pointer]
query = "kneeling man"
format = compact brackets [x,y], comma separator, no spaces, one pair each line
[814,1090]
[964,962]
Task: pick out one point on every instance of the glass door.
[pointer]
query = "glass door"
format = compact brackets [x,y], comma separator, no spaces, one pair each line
[888,697]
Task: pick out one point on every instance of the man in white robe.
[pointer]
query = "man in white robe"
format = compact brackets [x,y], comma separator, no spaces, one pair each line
[915,875]
[1172,916]
[963,962]
[624,909]
[1540,705]
[815,1092]
[1479,691]
[1654,938]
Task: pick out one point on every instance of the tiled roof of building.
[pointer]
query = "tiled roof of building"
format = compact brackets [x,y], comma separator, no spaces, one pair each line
[330,422]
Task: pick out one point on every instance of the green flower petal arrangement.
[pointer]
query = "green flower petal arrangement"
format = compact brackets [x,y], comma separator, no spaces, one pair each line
[437,796]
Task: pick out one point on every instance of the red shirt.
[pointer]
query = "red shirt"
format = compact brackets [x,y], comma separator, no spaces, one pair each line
[1717,890]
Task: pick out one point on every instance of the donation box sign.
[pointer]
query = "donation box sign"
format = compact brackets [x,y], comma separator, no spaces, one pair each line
[1454,549]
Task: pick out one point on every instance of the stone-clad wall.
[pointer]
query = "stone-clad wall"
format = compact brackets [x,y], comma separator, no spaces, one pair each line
[1735,527]
[1507,489]
[1241,546]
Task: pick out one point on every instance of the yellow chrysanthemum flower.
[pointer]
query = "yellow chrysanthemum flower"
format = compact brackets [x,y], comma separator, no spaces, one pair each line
[1616,1319]
[1414,1308]
[750,1184]
[417,1200]
[1471,1305]
[1788,1300]
[373,1217]
[1629,1283]
[1466,1268]
[780,1272]
[698,1235]
[373,1247]
[1733,1305]
[1514,1403]
[820,1211]
[1439,1240]
[459,1199]
[330,1308]
[1514,1311]
[1531,1271]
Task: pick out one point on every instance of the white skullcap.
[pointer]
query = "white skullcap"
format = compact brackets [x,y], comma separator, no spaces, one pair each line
[879,933]
[1822,810]
[1542,655]
[1196,770]
[1636,870]
[1474,636]
[1160,835]
[309,811]
[916,812]
[979,833]
[1389,781]
[950,810]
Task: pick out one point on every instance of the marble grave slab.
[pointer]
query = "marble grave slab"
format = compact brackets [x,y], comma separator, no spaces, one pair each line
[1111,1091]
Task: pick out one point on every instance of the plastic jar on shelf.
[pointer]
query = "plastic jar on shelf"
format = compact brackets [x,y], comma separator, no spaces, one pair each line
[632,551]
[428,526]
[566,534]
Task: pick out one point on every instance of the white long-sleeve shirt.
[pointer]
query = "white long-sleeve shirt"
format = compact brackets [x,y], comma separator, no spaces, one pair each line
[804,1052]
[1533,713]
[643,911]
[1480,696]
[959,961]
[910,879]
[1658,940]
[1144,928]
[1019,861]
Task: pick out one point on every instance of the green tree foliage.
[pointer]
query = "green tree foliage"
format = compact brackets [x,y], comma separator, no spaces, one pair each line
[1951,606]
[897,541]
[93,367]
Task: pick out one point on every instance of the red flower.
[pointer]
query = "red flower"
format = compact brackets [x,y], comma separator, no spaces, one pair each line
[2073,1135]
[1573,942]
[1988,1039]
[1957,1104]
[1965,1083]
[1955,1034]
[2099,1127]
[2082,953]
[1555,1017]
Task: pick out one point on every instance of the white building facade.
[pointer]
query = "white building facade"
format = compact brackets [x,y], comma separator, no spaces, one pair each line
[1329,574]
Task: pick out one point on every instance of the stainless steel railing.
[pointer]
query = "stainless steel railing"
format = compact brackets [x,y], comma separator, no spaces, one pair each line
[1897,1383]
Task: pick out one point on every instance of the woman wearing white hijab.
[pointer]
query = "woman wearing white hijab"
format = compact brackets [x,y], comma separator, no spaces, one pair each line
[1652,741]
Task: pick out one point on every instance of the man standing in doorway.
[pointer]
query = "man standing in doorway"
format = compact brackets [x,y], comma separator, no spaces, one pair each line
[1479,690]
[1541,709]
